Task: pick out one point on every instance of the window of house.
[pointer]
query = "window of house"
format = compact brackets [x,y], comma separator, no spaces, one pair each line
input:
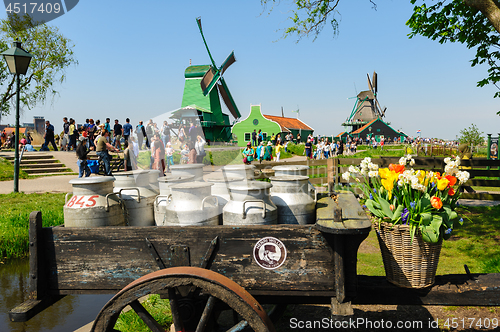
[247,137]
[264,136]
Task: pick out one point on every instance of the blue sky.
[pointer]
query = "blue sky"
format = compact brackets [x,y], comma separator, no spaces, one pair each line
[132,56]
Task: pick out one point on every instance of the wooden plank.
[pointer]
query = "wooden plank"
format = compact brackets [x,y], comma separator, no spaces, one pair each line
[110,258]
[455,289]
[483,183]
[481,196]
[481,172]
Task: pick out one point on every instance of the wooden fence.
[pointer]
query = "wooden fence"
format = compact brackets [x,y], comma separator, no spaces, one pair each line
[484,172]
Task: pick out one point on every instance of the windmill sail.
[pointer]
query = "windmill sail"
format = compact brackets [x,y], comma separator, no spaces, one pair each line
[228,99]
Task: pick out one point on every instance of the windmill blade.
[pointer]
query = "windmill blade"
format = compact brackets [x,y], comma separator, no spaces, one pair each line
[228,99]
[198,20]
[383,112]
[209,79]
[374,80]
[228,62]
[370,86]
[379,108]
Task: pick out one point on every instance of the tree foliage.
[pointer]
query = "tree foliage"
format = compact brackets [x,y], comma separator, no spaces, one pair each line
[471,136]
[474,23]
[52,54]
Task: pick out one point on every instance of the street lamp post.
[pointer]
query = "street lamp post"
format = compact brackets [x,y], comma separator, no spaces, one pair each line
[18,61]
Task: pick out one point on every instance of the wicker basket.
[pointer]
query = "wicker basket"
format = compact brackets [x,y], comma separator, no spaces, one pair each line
[407,264]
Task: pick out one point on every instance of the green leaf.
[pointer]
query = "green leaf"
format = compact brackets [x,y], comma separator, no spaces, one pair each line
[385,206]
[397,212]
[370,204]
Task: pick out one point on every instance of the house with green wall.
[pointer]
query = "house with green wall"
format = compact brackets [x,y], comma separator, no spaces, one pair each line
[269,124]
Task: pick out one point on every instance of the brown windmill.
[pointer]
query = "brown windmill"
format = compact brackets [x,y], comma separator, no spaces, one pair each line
[367,107]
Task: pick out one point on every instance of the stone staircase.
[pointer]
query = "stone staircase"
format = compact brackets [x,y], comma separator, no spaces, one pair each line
[41,164]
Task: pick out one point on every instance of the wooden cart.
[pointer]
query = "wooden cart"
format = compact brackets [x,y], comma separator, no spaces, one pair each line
[204,271]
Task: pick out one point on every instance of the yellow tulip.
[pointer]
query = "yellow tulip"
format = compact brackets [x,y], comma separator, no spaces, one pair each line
[384,173]
[442,183]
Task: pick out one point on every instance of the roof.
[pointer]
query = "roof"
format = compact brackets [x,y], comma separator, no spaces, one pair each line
[360,130]
[287,124]
[10,130]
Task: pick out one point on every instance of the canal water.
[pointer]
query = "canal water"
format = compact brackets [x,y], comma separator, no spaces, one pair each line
[67,315]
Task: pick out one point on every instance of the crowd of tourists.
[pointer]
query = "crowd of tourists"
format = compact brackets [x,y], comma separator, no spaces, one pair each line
[105,137]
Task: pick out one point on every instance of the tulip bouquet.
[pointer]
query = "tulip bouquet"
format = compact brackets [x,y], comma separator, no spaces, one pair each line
[424,200]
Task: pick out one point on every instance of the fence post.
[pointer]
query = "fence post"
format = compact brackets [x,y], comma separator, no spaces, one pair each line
[331,171]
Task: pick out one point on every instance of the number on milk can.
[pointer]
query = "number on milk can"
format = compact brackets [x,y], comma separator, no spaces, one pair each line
[79,201]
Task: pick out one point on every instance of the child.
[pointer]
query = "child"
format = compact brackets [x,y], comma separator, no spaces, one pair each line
[184,154]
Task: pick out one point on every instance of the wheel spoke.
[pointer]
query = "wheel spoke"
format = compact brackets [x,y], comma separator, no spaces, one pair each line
[239,327]
[146,317]
[174,308]
[207,312]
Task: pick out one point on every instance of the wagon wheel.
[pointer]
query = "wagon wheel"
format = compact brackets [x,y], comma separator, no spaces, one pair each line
[214,291]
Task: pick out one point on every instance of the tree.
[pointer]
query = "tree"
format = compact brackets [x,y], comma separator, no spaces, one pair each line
[471,136]
[474,23]
[52,54]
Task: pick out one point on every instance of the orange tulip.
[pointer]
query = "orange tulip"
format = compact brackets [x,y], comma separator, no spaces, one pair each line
[392,207]
[436,202]
[397,168]
[451,192]
[452,180]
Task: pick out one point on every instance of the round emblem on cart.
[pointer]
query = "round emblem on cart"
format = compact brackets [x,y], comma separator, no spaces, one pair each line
[255,122]
[269,253]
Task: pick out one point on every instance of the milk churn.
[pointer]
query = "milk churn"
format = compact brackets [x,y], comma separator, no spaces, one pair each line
[221,191]
[188,169]
[295,203]
[250,204]
[293,170]
[245,171]
[191,205]
[154,174]
[137,196]
[93,204]
[162,199]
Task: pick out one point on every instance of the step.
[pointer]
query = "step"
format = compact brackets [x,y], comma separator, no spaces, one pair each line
[55,174]
[45,170]
[38,161]
[31,156]
[48,165]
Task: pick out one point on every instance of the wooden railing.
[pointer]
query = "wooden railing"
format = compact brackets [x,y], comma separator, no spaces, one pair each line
[329,171]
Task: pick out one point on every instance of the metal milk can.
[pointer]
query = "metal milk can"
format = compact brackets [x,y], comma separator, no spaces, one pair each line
[93,204]
[250,204]
[154,175]
[188,169]
[162,199]
[295,203]
[137,195]
[191,205]
[293,170]
[243,171]
[221,191]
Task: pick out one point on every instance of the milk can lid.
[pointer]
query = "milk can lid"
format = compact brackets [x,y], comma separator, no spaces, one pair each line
[92,180]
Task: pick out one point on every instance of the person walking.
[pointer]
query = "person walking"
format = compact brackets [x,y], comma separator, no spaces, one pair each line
[117,135]
[107,125]
[192,153]
[268,153]
[141,134]
[260,136]
[308,148]
[159,155]
[91,130]
[82,152]
[248,154]
[102,148]
[254,137]
[127,129]
[129,161]
[279,147]
[165,133]
[200,149]
[65,140]
[169,152]
[49,135]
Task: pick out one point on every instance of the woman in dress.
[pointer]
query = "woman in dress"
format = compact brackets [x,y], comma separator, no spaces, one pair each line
[159,155]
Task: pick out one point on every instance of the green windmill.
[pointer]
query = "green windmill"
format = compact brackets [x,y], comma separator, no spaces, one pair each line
[201,102]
